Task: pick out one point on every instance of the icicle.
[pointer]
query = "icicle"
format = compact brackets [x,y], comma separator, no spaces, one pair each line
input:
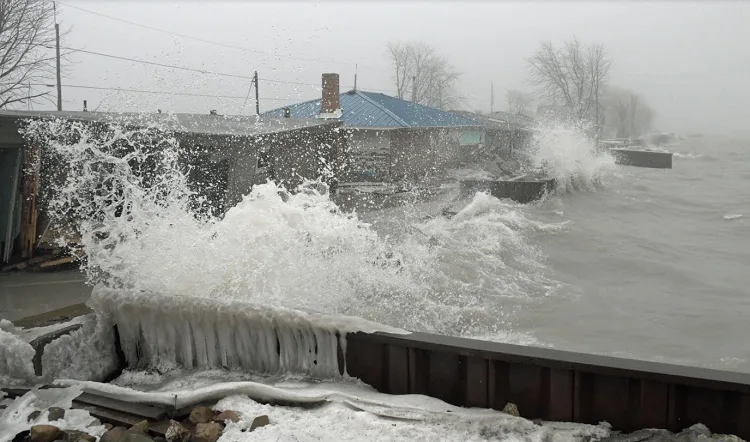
[166,331]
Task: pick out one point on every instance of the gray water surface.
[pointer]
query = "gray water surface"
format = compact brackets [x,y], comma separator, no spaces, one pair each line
[652,268]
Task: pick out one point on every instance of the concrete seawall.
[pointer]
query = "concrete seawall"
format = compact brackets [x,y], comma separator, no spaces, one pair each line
[642,158]
[521,191]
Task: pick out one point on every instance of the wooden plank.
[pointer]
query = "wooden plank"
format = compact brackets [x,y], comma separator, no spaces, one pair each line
[398,370]
[499,393]
[29,205]
[368,363]
[118,418]
[477,380]
[144,411]
[526,389]
[418,371]
[561,383]
[611,400]
[57,262]
[444,378]
[654,404]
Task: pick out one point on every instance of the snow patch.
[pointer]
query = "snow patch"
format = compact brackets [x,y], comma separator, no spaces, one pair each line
[349,411]
[14,419]
[16,357]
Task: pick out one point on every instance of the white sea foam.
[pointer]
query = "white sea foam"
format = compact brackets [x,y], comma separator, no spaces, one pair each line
[566,154]
[290,251]
[731,216]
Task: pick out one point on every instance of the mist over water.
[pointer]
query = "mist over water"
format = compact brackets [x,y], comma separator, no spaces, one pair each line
[470,275]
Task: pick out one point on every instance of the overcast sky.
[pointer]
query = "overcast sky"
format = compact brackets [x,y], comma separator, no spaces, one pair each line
[690,60]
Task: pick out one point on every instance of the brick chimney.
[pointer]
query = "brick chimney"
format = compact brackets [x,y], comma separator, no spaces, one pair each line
[330,107]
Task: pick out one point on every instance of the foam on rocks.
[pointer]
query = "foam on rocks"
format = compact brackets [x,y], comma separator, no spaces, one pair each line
[166,332]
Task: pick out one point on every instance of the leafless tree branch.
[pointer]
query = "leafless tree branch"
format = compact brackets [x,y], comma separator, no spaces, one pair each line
[27,49]
[422,76]
[571,77]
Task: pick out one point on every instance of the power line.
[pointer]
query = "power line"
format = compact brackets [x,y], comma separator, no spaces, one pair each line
[190,37]
[200,71]
[187,94]
[152,63]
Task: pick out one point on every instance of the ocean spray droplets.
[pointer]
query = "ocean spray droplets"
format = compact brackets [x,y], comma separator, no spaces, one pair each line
[128,195]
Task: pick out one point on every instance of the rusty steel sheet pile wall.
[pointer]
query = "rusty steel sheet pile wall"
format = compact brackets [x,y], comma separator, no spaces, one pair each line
[551,384]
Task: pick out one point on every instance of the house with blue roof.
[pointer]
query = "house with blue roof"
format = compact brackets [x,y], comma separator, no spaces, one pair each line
[391,139]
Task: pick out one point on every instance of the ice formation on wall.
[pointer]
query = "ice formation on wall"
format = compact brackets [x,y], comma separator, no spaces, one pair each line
[163,332]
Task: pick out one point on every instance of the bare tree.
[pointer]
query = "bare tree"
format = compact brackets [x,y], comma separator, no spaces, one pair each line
[422,76]
[27,49]
[571,77]
[518,102]
[625,112]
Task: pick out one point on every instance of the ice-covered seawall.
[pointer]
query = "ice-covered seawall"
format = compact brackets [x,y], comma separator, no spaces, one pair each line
[165,332]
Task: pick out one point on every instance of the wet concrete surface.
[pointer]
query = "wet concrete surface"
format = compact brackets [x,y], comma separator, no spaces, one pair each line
[25,294]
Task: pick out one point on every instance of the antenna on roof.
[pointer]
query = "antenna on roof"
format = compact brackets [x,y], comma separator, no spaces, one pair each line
[355,76]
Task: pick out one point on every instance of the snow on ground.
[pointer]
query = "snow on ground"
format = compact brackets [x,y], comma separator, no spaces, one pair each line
[15,418]
[332,410]
[337,421]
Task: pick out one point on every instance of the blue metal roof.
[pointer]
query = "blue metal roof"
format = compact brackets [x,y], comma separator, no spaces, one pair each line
[370,109]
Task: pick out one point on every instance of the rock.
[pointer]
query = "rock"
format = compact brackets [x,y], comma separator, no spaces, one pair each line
[727,438]
[140,427]
[159,439]
[96,423]
[512,409]
[55,413]
[75,436]
[176,432]
[228,415]
[136,436]
[201,415]
[209,432]
[34,414]
[22,436]
[44,433]
[260,421]
[116,434]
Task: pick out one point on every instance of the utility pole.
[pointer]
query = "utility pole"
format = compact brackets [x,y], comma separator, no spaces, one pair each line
[355,76]
[57,39]
[492,97]
[257,101]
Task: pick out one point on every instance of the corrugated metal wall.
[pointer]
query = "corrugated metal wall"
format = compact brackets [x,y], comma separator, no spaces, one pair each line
[553,385]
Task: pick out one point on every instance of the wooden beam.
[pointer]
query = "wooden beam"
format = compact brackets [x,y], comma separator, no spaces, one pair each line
[30,191]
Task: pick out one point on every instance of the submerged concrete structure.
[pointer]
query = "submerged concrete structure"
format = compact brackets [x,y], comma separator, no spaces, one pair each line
[642,158]
[521,191]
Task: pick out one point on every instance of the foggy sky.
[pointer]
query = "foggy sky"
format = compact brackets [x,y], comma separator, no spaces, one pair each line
[689,60]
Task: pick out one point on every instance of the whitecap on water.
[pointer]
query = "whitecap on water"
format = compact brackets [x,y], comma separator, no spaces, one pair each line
[566,154]
[731,216]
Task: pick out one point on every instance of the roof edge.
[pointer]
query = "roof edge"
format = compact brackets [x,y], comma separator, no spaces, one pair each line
[383,108]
